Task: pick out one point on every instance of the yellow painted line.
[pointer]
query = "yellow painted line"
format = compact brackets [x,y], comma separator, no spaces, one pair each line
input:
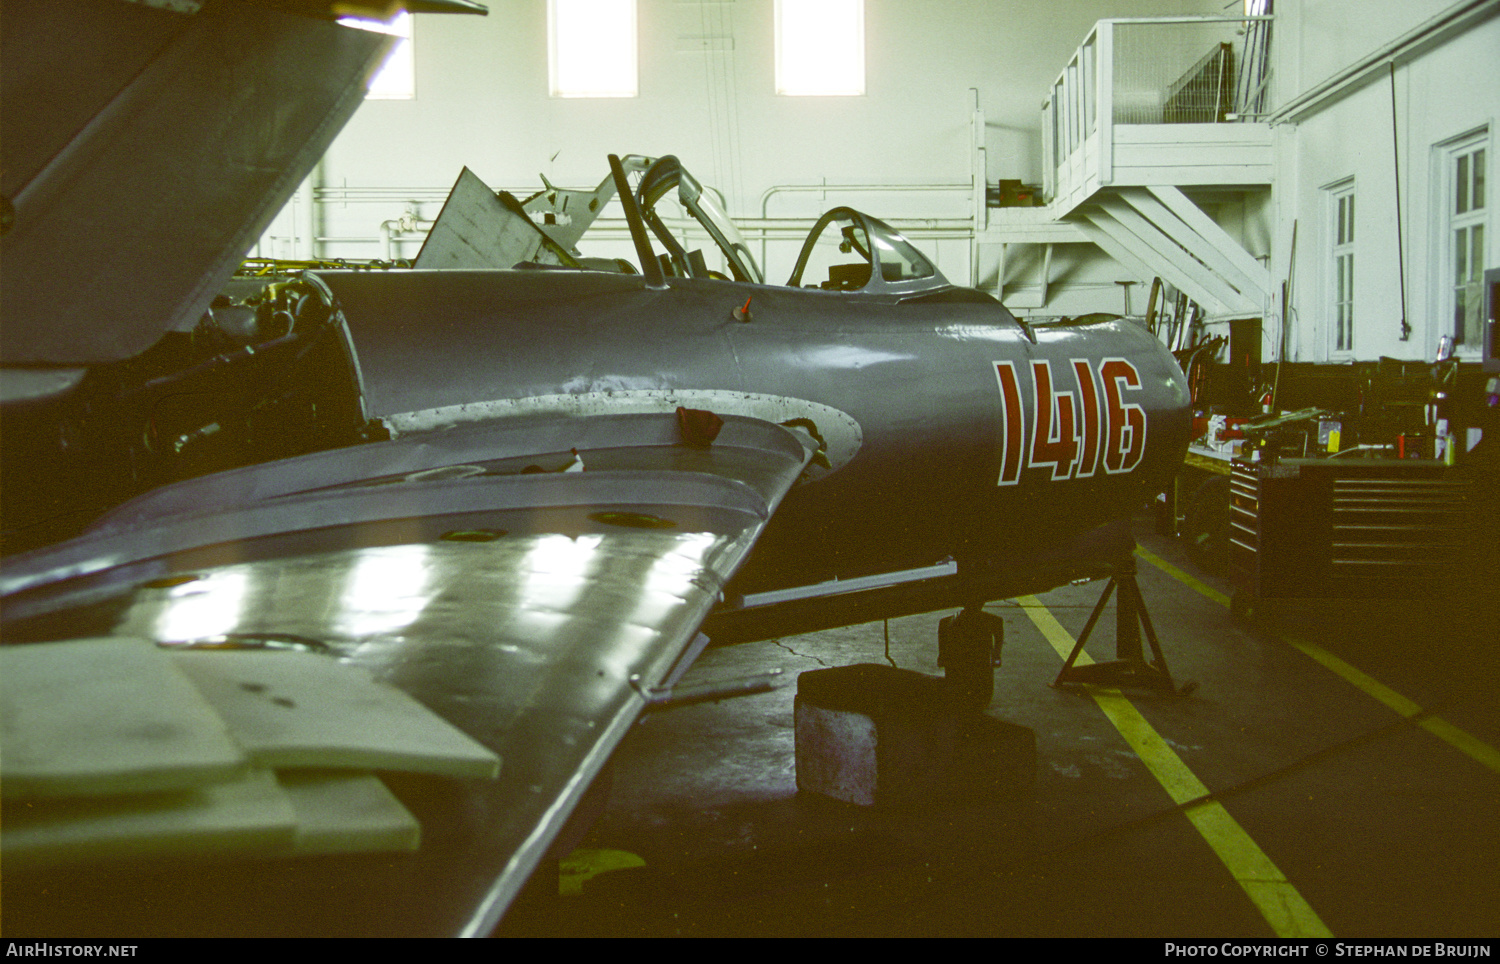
[1268,889]
[1183,577]
[582,865]
[1459,739]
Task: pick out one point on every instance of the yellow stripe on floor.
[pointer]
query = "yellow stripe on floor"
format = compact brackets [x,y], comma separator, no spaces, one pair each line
[1460,739]
[583,865]
[1183,577]
[1268,889]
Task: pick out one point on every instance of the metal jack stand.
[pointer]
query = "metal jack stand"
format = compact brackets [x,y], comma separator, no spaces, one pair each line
[1129,668]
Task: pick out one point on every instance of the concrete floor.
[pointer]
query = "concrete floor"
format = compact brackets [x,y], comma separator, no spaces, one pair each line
[1331,811]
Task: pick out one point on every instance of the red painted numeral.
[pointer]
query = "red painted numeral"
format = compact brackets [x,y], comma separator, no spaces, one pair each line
[1054,440]
[1089,407]
[1012,441]
[1071,433]
[1127,421]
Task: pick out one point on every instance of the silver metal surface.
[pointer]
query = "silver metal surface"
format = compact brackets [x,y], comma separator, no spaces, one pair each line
[538,624]
[476,229]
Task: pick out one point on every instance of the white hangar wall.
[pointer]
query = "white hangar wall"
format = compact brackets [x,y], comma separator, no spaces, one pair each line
[1445,86]
[482,100]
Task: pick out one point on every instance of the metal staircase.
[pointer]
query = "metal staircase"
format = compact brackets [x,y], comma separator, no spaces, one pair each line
[1157,231]
[1146,113]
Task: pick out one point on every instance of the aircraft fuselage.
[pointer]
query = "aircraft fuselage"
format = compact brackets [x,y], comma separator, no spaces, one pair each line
[951,433]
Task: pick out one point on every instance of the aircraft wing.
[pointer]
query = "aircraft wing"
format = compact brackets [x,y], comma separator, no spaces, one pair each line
[134,188]
[535,607]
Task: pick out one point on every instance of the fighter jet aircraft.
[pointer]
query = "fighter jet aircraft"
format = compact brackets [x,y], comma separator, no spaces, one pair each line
[516,482]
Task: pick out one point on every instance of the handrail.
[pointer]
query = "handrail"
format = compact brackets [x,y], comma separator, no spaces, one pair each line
[1083,101]
[1203,18]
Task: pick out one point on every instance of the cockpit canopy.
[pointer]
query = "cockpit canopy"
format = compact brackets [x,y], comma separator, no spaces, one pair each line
[884,262]
[660,178]
[666,208]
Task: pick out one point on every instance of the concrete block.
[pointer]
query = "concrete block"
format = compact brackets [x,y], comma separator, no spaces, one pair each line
[876,735]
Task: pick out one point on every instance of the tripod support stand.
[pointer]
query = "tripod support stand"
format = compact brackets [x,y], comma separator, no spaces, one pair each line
[1129,668]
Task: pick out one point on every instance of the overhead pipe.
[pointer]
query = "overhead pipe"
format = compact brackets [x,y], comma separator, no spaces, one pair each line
[408,224]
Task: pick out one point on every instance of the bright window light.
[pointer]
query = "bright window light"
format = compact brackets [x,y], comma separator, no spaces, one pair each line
[397,80]
[820,48]
[591,52]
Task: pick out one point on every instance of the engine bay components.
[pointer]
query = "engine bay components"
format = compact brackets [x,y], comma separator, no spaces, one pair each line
[265,373]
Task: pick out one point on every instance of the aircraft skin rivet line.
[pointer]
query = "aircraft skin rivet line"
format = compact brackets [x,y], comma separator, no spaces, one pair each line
[1461,740]
[1284,909]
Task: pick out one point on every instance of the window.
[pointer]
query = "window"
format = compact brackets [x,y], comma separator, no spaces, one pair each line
[820,47]
[1341,234]
[1465,214]
[397,79]
[592,48]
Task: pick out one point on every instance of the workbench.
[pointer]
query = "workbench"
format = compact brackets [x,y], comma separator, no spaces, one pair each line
[1346,528]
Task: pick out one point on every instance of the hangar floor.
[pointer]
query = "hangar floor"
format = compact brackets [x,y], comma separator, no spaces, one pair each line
[1335,772]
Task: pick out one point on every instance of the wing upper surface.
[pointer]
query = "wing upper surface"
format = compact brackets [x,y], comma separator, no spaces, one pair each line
[534,610]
